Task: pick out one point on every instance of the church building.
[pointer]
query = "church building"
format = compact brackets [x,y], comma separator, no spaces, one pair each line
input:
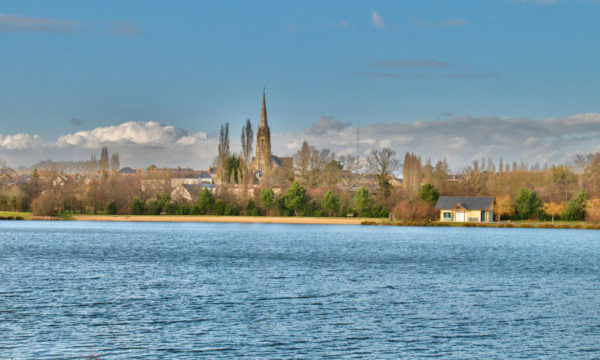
[265,162]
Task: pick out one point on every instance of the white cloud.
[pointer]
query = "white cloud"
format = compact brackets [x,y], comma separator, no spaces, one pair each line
[20,141]
[418,63]
[465,138]
[377,20]
[124,28]
[539,2]
[13,22]
[139,133]
[327,124]
[444,23]
[344,25]
[460,139]
[138,144]
[454,22]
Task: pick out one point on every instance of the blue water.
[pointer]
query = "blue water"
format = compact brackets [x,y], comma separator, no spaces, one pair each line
[186,291]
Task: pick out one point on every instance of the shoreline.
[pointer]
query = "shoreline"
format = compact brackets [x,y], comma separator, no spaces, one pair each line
[7,215]
[224,219]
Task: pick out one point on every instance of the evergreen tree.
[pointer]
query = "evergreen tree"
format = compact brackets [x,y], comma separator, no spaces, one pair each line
[295,198]
[330,203]
[527,204]
[266,199]
[363,202]
[429,194]
[206,202]
[576,207]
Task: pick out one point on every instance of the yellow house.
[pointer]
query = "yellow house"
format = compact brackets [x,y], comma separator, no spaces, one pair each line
[466,208]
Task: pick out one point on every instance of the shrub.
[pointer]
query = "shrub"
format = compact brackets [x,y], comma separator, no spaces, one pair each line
[219,208]
[111,208]
[152,207]
[592,213]
[194,210]
[183,209]
[46,204]
[251,208]
[414,210]
[231,210]
[206,202]
[267,199]
[137,206]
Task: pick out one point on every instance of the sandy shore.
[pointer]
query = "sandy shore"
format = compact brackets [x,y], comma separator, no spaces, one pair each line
[221,219]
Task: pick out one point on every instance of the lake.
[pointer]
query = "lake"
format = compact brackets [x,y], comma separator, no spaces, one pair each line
[191,290]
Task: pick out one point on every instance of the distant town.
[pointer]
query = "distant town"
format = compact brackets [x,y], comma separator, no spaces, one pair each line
[312,183]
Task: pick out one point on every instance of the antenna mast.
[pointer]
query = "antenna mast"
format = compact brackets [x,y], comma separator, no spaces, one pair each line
[357,145]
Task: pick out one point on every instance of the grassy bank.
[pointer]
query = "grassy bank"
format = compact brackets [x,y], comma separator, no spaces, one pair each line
[15,215]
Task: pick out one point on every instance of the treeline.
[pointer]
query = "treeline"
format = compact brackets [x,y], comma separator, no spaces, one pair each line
[294,202]
[330,185]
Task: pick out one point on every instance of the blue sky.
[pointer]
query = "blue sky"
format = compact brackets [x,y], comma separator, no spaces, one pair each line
[70,66]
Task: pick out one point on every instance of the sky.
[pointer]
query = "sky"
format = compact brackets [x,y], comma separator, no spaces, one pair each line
[154,80]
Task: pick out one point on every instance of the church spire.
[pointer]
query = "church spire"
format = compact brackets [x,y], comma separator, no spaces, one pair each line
[263,113]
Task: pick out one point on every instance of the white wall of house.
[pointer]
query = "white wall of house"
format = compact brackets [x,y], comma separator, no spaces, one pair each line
[466,215]
[179,181]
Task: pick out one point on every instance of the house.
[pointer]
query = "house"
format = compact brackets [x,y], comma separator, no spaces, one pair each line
[205,178]
[189,192]
[466,208]
[128,171]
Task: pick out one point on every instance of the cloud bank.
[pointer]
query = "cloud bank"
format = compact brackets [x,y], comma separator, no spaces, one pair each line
[138,144]
[460,139]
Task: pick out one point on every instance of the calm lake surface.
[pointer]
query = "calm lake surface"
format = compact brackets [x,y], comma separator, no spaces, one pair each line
[184,291]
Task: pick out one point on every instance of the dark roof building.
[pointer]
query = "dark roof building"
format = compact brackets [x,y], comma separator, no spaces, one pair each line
[466,208]
[467,202]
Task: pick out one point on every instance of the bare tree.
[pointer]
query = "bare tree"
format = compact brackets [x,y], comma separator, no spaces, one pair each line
[311,164]
[412,174]
[104,159]
[115,162]
[93,165]
[383,163]
[349,176]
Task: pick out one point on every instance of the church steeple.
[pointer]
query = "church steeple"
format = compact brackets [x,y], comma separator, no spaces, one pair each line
[263,141]
[263,113]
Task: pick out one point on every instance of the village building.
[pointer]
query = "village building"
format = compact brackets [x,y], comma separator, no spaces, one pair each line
[186,193]
[466,208]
